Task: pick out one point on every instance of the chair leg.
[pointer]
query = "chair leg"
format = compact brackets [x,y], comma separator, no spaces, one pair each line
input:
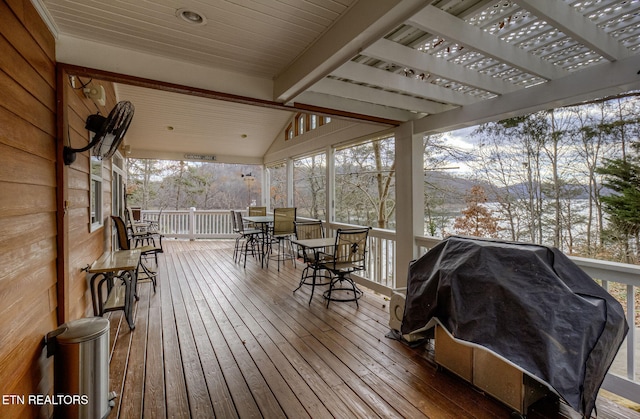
[279,253]
[282,256]
[249,246]
[278,257]
[302,278]
[313,283]
[246,250]
[236,249]
[315,278]
[355,293]
[292,252]
[341,278]
[149,273]
[327,294]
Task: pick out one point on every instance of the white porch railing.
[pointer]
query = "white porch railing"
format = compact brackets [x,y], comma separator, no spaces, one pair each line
[622,381]
[193,224]
[623,378]
[381,256]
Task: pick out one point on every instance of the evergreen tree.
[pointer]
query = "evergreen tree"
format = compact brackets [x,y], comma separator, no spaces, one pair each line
[622,176]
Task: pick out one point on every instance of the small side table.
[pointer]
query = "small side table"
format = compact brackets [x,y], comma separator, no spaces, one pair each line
[119,271]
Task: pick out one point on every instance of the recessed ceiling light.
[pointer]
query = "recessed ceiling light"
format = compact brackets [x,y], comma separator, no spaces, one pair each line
[191,16]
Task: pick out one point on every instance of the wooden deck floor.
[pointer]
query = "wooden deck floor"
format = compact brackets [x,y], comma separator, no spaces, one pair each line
[217,340]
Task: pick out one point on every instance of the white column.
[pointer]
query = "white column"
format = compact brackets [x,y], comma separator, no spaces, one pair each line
[289,166]
[330,182]
[192,223]
[409,198]
[265,200]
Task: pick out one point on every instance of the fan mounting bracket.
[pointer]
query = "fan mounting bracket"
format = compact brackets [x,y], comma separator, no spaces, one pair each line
[69,154]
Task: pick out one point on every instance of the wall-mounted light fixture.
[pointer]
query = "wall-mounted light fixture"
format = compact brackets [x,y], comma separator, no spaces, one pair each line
[96,93]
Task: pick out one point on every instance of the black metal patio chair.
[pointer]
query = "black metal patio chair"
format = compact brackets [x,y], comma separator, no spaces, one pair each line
[349,256]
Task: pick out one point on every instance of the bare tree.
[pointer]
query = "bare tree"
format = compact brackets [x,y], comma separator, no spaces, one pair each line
[365,183]
[504,161]
[309,185]
[439,157]
[140,187]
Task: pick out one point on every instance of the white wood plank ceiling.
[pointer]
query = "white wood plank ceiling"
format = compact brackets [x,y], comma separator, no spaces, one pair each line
[443,64]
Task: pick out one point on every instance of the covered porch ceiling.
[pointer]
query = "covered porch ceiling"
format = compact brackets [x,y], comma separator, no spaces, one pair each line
[442,64]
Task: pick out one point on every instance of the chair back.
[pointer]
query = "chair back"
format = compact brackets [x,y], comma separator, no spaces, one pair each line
[122,234]
[351,248]
[154,225]
[257,211]
[234,222]
[239,222]
[309,229]
[129,216]
[284,221]
[133,212]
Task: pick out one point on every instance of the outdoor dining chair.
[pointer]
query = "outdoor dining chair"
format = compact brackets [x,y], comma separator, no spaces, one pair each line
[256,212]
[349,256]
[247,242]
[140,230]
[146,251]
[281,232]
[306,230]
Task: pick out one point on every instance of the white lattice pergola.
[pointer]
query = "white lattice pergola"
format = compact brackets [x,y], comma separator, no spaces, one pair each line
[443,64]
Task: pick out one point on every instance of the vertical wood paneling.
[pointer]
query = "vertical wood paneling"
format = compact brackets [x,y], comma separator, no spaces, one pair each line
[28,248]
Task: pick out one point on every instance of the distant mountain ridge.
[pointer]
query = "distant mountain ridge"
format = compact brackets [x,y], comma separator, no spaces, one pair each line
[453,189]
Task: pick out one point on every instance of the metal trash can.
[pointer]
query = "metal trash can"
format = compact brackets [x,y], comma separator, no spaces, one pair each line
[81,368]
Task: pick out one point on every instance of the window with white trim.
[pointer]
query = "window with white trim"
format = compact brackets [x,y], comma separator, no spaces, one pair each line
[117,185]
[95,191]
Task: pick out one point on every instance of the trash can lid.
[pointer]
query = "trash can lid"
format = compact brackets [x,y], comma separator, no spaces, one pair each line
[83,330]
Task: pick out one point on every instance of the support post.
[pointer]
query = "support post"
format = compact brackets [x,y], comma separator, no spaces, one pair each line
[409,198]
[192,223]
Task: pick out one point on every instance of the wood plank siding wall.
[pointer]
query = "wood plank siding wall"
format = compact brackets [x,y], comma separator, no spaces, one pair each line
[84,246]
[28,248]
[41,282]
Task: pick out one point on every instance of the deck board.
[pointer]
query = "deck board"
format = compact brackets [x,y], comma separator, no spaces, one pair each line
[133,390]
[154,395]
[177,404]
[218,340]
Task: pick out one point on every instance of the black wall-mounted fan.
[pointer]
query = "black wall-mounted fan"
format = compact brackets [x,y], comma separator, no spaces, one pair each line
[108,132]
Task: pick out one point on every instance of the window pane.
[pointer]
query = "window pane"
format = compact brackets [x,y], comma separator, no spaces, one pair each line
[365,184]
[96,202]
[117,185]
[117,194]
[309,186]
[95,193]
[278,192]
